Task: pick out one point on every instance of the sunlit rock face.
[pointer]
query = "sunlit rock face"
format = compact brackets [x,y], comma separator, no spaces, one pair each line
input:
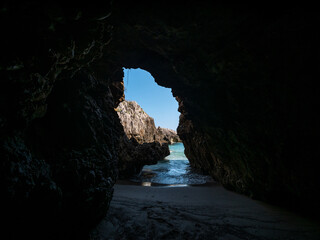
[244,78]
[136,122]
[139,125]
[141,144]
[167,135]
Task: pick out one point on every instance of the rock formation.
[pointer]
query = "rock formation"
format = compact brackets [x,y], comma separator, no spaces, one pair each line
[167,135]
[140,145]
[139,125]
[136,123]
[247,117]
[133,156]
[244,77]
[59,134]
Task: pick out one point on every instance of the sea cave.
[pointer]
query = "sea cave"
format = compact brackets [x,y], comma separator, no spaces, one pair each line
[244,77]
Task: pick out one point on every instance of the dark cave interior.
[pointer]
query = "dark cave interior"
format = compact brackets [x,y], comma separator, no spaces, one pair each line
[244,77]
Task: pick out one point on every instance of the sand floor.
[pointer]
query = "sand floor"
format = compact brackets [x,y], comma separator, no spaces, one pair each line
[201,212]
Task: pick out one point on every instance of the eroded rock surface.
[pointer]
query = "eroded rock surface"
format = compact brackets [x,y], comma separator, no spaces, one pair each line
[141,145]
[59,134]
[167,135]
[133,156]
[136,123]
[139,125]
[244,77]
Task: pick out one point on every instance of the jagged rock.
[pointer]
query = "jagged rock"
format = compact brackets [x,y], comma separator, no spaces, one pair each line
[139,125]
[59,134]
[244,93]
[167,135]
[136,123]
[245,78]
[133,156]
[141,145]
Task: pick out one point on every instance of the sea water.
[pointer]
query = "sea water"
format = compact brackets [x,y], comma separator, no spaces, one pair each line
[174,170]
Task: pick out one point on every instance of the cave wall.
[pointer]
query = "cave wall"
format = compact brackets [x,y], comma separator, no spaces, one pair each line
[244,78]
[59,131]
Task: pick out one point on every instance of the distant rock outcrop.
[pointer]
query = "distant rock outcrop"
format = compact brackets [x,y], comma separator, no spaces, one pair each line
[167,135]
[143,143]
[136,123]
[139,125]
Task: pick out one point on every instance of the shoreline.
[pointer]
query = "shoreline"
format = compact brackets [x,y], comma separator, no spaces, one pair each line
[193,212]
[157,185]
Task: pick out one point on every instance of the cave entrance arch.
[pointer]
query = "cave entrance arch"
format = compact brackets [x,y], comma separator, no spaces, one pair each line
[155,100]
[144,98]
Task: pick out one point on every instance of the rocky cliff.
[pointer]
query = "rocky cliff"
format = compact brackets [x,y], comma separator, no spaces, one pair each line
[139,125]
[167,135]
[136,123]
[140,145]
[245,78]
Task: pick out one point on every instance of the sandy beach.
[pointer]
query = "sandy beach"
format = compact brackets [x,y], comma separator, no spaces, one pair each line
[197,212]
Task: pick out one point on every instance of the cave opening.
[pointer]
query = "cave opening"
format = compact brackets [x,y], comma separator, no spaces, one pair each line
[149,113]
[245,75]
[157,101]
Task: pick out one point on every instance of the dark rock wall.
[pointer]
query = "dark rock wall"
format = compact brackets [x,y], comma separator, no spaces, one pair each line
[133,155]
[245,78]
[59,133]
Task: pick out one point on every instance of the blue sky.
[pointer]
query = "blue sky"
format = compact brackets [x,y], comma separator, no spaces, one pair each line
[155,100]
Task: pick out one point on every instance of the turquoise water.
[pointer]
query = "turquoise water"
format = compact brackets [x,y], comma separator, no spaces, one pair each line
[173,170]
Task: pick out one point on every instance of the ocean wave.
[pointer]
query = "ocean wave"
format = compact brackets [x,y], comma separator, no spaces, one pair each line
[174,169]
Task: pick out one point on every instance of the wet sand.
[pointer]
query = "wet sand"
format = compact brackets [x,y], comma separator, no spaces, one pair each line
[197,212]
